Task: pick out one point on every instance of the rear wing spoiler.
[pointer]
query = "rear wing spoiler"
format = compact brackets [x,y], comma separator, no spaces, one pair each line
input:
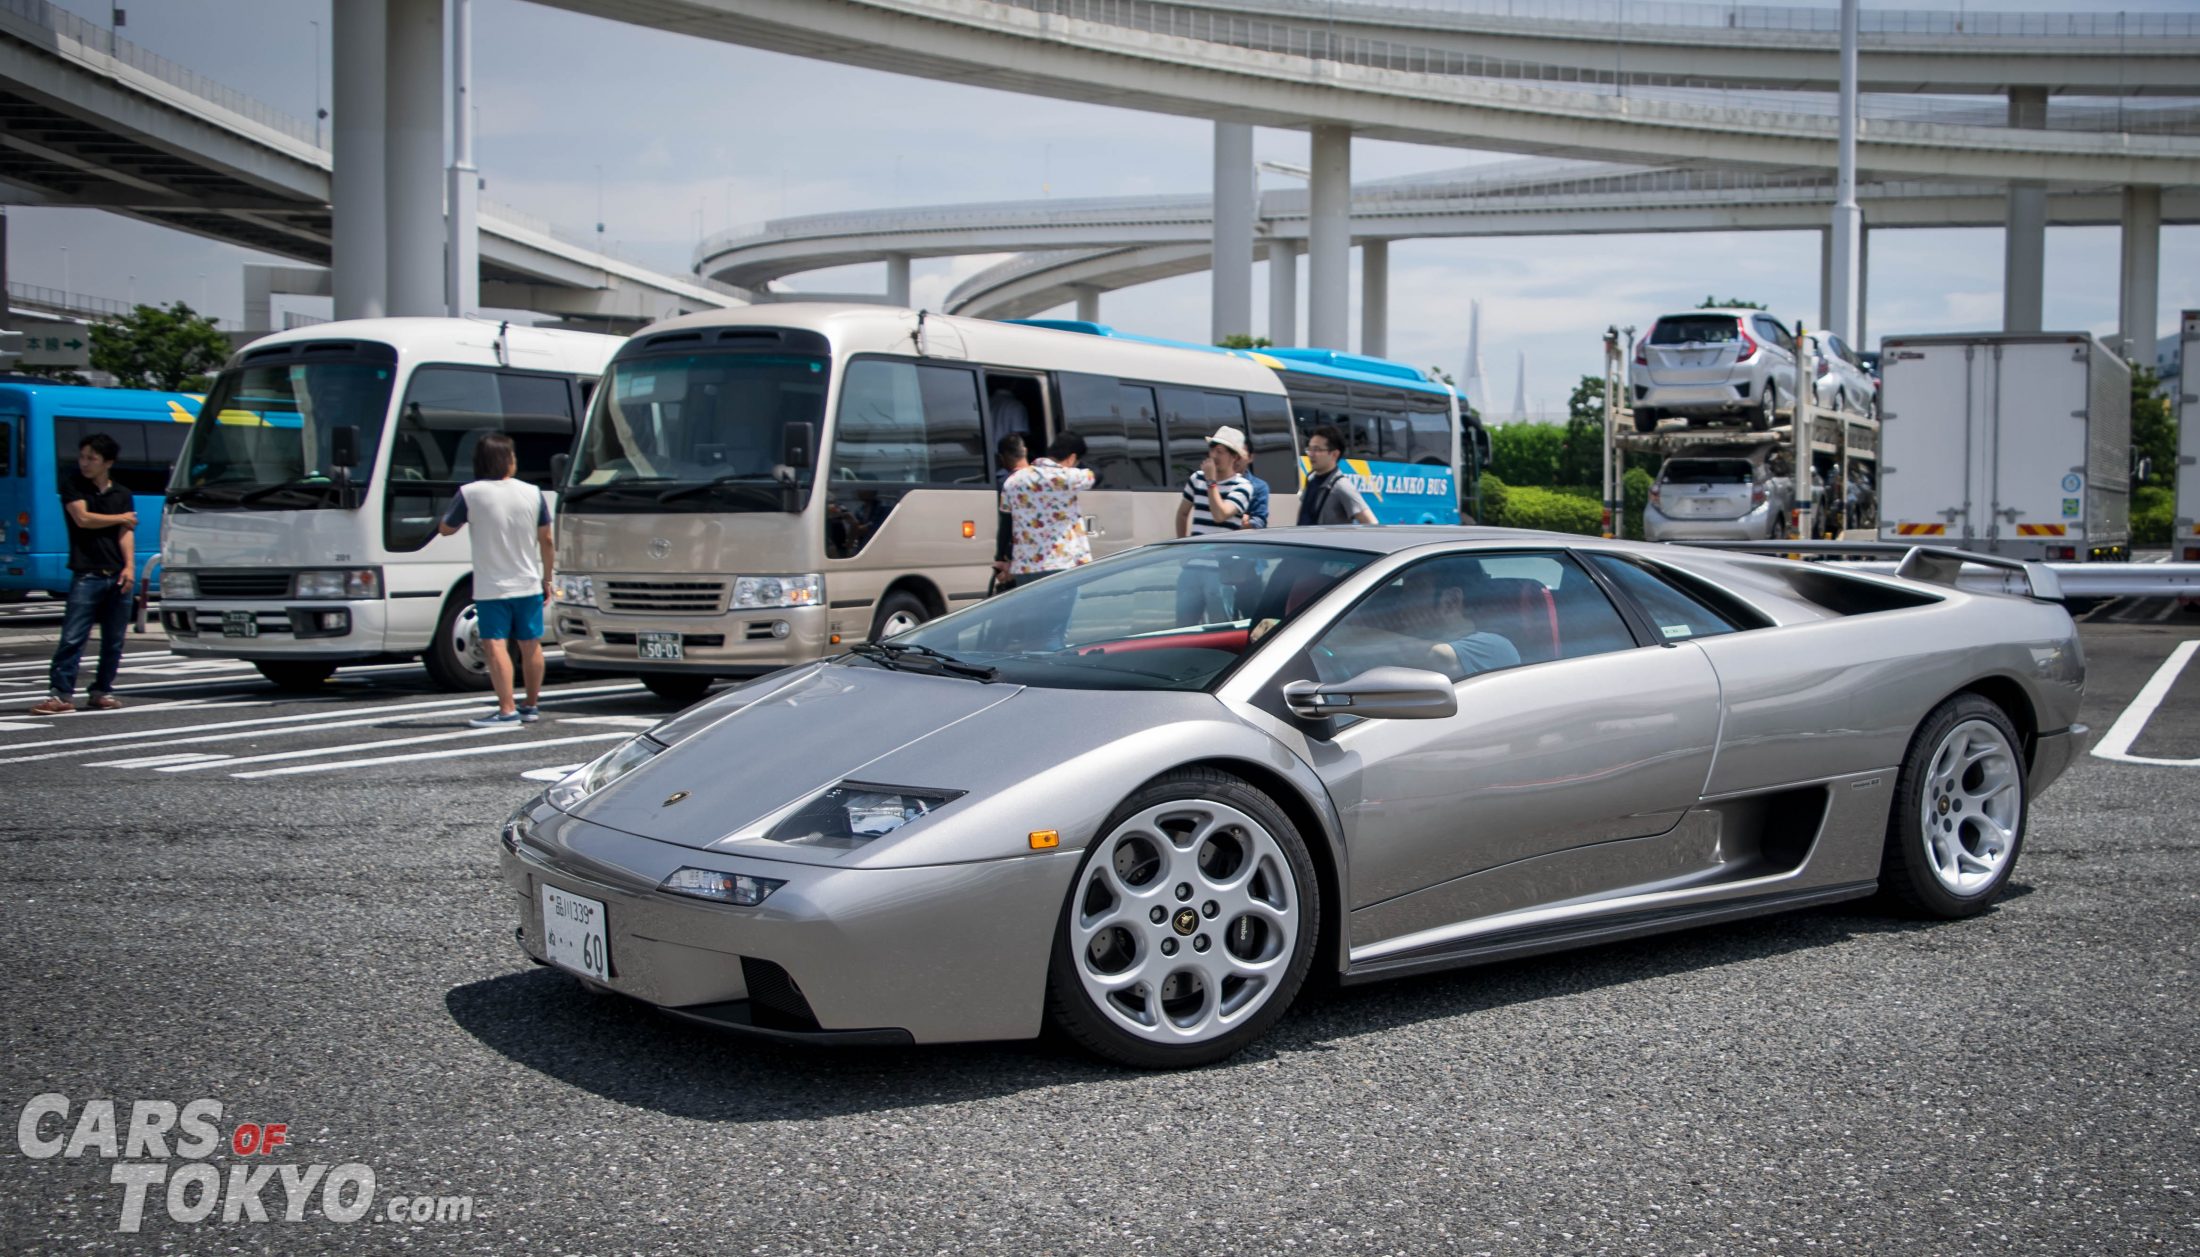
[1939,565]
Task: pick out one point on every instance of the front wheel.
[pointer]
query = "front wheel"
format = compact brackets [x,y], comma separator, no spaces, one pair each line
[1190,925]
[295,674]
[1959,812]
[898,612]
[454,659]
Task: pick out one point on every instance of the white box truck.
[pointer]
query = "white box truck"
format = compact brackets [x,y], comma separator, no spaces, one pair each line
[2185,540]
[2006,443]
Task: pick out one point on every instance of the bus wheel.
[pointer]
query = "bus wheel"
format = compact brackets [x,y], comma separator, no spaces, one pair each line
[899,612]
[454,657]
[678,687]
[295,674]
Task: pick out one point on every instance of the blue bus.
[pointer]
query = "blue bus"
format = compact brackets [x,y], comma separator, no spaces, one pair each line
[1414,450]
[41,425]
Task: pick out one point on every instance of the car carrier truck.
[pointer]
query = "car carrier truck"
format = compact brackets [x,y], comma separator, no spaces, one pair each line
[2014,444]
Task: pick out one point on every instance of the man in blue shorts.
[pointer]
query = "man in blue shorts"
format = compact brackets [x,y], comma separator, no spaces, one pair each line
[513,563]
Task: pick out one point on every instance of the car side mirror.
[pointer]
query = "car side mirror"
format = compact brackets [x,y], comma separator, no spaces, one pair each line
[1387,693]
[560,466]
[343,446]
[796,440]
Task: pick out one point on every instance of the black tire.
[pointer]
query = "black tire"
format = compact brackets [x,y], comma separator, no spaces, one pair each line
[9,597]
[295,674]
[447,667]
[1073,1009]
[1646,419]
[678,687]
[1909,882]
[1768,409]
[895,606]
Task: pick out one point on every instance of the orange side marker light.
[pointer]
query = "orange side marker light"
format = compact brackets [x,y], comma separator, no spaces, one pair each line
[1045,839]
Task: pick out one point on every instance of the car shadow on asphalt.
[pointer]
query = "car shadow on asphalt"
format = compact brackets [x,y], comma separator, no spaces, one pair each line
[626,1052]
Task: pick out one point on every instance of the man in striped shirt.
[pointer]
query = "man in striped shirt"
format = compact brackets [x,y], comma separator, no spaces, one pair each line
[1219,496]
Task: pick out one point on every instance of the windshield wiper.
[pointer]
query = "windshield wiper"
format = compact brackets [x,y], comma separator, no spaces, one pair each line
[579,491]
[690,490]
[269,490]
[194,492]
[888,655]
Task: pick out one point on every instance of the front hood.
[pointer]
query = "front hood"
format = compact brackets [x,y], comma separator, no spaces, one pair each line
[247,538]
[693,540]
[819,727]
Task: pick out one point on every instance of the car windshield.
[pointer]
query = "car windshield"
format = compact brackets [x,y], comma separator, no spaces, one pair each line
[1166,617]
[697,432]
[1695,329]
[268,426]
[1707,471]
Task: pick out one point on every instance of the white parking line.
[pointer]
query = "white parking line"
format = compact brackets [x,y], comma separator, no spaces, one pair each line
[19,726]
[406,759]
[180,757]
[2116,743]
[366,715]
[312,751]
[558,773]
[224,681]
[622,722]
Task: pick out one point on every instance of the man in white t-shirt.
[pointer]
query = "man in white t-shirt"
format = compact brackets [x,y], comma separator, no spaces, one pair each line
[513,562]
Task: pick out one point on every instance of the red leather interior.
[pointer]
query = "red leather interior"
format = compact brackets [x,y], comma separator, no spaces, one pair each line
[1232,640]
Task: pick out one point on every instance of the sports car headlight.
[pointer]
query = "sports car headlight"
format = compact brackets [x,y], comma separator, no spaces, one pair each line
[733,888]
[755,592]
[851,814]
[179,585]
[577,591]
[605,769]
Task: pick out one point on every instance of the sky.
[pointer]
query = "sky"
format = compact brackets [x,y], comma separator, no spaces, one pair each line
[665,138]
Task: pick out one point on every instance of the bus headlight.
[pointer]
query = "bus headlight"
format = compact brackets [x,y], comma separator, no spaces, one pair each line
[357,582]
[577,591]
[758,592]
[179,585]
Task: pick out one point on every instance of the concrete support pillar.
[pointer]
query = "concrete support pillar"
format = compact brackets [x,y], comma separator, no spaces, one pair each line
[897,279]
[1848,218]
[2141,273]
[413,178]
[359,214]
[7,320]
[1825,275]
[1329,241]
[1088,303]
[1863,288]
[262,284]
[1232,270]
[462,194]
[1375,298]
[1283,293]
[2024,259]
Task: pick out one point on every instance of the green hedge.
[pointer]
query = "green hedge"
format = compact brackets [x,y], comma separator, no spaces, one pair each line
[2153,515]
[1636,490]
[1551,511]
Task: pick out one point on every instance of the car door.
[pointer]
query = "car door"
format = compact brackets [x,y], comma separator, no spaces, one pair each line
[1570,735]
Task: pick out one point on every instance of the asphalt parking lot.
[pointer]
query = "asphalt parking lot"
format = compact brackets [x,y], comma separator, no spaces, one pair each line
[290,906]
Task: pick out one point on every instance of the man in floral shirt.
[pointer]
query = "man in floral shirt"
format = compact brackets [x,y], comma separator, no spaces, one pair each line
[1047,529]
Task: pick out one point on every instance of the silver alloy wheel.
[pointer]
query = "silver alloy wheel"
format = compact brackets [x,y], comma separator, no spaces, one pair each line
[466,642]
[1973,805]
[1185,921]
[898,623]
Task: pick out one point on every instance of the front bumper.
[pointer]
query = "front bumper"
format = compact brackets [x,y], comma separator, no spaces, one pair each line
[737,643]
[291,628]
[1755,526]
[2054,751]
[939,953]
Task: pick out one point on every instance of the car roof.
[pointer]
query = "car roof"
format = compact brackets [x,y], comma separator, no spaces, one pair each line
[1394,538]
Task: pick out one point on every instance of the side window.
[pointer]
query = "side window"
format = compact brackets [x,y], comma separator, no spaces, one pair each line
[446,413]
[1141,417]
[1188,429]
[1771,329]
[1275,460]
[163,446]
[140,471]
[901,425]
[1427,435]
[1674,614]
[1318,402]
[7,448]
[1089,410]
[1467,614]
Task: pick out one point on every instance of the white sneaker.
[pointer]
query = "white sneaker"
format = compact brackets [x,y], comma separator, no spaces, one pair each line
[496,720]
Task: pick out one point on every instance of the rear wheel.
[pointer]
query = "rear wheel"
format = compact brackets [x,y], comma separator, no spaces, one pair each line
[898,612]
[677,686]
[454,658]
[1959,812]
[1768,409]
[295,674]
[1189,928]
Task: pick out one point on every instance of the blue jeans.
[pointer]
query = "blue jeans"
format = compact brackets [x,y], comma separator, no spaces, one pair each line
[93,600]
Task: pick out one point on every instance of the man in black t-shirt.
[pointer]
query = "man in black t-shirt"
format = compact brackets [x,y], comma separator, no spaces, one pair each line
[102,561]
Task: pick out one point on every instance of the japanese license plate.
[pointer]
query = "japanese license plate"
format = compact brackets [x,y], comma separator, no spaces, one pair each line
[657,645]
[573,934]
[240,624]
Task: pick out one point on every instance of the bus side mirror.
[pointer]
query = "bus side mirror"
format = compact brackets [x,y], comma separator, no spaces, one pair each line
[343,446]
[796,440]
[560,465]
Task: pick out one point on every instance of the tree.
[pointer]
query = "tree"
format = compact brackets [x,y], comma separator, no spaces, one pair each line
[1710,302]
[1582,458]
[1442,376]
[172,347]
[2153,428]
[1239,340]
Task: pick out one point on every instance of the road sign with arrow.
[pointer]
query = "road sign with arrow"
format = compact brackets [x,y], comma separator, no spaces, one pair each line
[56,344]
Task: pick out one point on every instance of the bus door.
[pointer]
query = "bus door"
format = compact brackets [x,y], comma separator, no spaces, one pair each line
[15,494]
[1134,501]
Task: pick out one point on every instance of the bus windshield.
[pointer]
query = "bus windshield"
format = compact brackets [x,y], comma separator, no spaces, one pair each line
[702,431]
[269,427]
[1168,617]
